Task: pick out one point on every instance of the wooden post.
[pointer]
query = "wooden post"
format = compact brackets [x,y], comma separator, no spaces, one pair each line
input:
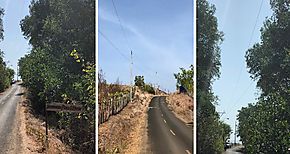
[46,127]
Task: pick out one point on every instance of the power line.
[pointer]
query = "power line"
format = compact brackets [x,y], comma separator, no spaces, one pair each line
[121,53]
[251,37]
[113,45]
[127,42]
[121,25]
[255,23]
[245,91]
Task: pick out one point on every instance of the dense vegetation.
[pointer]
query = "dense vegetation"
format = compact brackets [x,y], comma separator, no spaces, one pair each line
[211,132]
[264,127]
[6,73]
[184,78]
[139,82]
[61,65]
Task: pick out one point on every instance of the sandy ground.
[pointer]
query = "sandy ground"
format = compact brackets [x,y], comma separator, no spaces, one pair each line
[182,106]
[126,132]
[32,131]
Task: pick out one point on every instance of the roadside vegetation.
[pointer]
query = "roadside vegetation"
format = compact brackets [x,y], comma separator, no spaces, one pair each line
[6,73]
[106,91]
[61,66]
[123,131]
[139,82]
[264,126]
[184,78]
[211,131]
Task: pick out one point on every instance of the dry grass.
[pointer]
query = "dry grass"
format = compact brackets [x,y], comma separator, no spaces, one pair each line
[33,133]
[126,131]
[182,106]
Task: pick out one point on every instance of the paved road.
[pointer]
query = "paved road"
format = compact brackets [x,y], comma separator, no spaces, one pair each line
[234,150]
[167,134]
[8,123]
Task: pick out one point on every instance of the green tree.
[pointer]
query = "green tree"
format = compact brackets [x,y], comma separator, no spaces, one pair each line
[139,81]
[264,126]
[226,130]
[209,131]
[61,65]
[1,24]
[269,60]
[4,71]
[185,79]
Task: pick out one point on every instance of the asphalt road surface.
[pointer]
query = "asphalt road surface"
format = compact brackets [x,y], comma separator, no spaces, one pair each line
[234,150]
[8,123]
[167,134]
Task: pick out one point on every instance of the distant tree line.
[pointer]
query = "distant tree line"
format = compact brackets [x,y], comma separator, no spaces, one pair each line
[6,73]
[61,65]
[264,126]
[139,82]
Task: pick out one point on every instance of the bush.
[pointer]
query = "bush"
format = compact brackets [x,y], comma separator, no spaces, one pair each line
[148,88]
[139,81]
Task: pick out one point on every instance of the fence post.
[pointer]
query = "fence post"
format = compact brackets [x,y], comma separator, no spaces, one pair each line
[107,111]
[117,105]
[128,97]
[125,100]
[122,98]
[119,102]
[110,110]
[112,107]
[99,113]
[102,116]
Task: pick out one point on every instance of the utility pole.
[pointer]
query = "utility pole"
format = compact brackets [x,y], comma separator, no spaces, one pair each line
[156,85]
[131,77]
[17,72]
[235,132]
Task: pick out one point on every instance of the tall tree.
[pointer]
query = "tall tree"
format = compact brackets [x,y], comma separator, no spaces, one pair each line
[61,65]
[6,73]
[1,24]
[264,126]
[269,60]
[209,134]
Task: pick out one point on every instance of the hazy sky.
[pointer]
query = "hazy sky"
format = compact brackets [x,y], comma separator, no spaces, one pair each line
[237,19]
[158,32]
[14,45]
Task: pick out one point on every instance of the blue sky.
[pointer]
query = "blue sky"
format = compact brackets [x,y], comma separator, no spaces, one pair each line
[237,19]
[158,32]
[14,45]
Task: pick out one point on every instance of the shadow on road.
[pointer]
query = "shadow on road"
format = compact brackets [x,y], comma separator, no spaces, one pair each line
[19,94]
[241,150]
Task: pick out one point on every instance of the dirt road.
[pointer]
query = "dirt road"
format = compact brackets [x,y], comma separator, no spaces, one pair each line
[10,138]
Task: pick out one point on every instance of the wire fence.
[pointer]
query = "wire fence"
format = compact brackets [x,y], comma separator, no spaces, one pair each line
[113,106]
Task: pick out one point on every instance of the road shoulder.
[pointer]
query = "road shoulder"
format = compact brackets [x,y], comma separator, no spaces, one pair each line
[32,131]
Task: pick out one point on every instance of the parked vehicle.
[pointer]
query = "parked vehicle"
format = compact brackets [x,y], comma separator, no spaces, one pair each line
[227,145]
